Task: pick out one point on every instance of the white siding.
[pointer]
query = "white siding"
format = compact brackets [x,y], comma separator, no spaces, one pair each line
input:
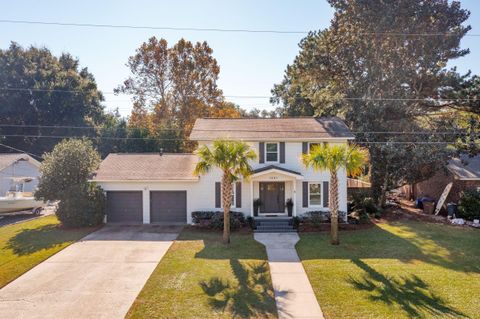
[19,169]
[201,194]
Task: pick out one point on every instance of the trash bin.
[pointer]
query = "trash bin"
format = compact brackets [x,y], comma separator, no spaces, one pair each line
[451,209]
[428,207]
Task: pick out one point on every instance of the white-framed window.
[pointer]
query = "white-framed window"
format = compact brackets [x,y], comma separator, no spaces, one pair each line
[311,145]
[234,196]
[315,194]
[271,152]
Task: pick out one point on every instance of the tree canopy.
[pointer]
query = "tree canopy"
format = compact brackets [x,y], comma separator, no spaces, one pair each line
[173,86]
[382,66]
[38,88]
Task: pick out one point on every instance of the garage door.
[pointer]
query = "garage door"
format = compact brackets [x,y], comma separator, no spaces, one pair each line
[168,207]
[124,207]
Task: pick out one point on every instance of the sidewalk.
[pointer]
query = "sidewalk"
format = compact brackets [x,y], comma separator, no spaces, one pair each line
[294,295]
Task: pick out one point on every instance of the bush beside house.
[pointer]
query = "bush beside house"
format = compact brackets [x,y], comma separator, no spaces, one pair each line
[214,219]
[65,172]
[469,205]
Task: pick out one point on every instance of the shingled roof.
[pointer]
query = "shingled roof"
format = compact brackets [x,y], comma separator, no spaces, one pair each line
[306,128]
[147,167]
[7,159]
[465,167]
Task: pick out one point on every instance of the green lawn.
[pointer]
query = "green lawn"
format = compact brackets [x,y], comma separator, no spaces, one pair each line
[396,270]
[25,245]
[199,277]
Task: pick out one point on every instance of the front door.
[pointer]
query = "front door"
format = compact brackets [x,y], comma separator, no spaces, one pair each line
[272,196]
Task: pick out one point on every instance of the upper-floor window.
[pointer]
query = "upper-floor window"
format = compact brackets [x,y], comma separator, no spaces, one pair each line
[312,145]
[271,152]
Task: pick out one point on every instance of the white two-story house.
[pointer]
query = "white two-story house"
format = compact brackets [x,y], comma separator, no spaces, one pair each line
[161,188]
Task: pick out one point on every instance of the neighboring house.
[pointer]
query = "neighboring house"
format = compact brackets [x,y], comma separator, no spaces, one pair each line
[152,188]
[463,172]
[18,172]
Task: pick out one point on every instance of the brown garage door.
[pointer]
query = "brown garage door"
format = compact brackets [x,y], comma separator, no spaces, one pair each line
[168,207]
[124,207]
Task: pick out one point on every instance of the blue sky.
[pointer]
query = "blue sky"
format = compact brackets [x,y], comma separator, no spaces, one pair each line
[250,63]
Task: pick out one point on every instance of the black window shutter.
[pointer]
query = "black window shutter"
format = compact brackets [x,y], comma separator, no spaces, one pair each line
[325,194]
[282,152]
[261,152]
[305,147]
[218,195]
[238,194]
[305,194]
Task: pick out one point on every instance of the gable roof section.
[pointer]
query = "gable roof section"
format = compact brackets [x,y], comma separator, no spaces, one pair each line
[465,167]
[147,167]
[7,159]
[299,128]
[274,167]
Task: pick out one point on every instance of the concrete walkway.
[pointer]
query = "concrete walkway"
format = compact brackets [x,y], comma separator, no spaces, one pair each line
[294,295]
[98,277]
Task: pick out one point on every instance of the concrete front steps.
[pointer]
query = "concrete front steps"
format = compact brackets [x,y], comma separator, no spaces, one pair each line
[274,225]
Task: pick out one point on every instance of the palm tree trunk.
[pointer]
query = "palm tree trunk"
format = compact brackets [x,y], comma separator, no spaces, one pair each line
[226,202]
[333,204]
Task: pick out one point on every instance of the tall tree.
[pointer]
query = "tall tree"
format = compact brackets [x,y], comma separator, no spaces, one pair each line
[232,158]
[332,159]
[381,65]
[38,88]
[175,85]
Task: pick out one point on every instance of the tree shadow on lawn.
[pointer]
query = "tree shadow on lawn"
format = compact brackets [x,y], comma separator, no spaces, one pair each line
[250,294]
[250,297]
[29,241]
[410,293]
[440,245]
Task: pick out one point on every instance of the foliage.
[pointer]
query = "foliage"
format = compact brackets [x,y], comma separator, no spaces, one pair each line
[232,158]
[65,172]
[173,86]
[214,219]
[289,203]
[469,204]
[363,202]
[38,80]
[82,206]
[318,217]
[367,67]
[330,158]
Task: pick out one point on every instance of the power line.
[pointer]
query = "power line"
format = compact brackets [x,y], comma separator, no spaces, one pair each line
[196,29]
[453,132]
[260,96]
[187,140]
[19,150]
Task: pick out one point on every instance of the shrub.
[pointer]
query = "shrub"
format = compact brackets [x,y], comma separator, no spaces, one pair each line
[469,205]
[83,205]
[214,219]
[251,222]
[315,218]
[363,203]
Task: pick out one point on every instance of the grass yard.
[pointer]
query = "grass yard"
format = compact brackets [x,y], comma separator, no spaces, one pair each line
[402,269]
[199,277]
[25,245]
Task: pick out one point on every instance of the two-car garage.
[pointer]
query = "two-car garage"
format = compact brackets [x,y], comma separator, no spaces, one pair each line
[165,207]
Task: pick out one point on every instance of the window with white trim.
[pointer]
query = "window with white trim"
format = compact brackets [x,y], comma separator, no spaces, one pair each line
[315,194]
[271,152]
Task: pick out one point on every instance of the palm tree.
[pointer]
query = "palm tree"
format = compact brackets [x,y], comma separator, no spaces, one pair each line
[232,157]
[332,158]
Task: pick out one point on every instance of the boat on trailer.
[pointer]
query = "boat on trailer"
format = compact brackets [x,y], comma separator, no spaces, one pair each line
[16,199]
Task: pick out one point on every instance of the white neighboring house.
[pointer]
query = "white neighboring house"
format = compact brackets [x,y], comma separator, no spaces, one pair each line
[161,188]
[16,167]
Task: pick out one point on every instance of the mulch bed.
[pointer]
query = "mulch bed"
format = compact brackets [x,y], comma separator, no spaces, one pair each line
[306,228]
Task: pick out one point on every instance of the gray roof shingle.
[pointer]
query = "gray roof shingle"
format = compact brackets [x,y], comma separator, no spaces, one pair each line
[465,167]
[209,129]
[6,159]
[147,167]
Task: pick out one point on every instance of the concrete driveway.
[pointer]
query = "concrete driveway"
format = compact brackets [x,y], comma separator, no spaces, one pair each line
[98,277]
